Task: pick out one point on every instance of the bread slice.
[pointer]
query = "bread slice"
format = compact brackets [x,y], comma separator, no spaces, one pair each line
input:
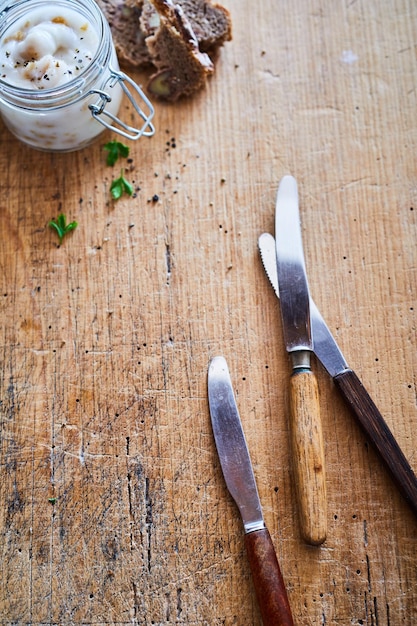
[129,41]
[178,39]
[181,68]
[210,23]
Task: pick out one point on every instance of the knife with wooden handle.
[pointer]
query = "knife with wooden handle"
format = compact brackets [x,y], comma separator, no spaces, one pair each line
[238,474]
[306,434]
[363,407]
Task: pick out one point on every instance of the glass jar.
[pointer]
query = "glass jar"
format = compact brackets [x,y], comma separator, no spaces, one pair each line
[70,115]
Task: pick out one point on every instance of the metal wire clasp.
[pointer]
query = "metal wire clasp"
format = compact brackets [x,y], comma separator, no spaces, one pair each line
[137,99]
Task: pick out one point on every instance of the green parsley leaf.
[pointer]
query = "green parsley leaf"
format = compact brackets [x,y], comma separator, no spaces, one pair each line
[61,227]
[120,186]
[115,150]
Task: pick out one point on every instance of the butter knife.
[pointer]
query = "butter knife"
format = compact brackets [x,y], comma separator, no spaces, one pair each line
[350,386]
[306,433]
[238,474]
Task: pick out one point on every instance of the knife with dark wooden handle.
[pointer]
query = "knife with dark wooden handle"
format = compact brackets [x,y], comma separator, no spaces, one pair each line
[363,407]
[305,421]
[267,579]
[238,474]
[380,435]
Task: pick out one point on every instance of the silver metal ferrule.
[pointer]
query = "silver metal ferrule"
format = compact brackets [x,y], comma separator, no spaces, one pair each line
[300,359]
[251,527]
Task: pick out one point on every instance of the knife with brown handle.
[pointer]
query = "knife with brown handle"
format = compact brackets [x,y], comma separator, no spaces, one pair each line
[306,434]
[363,407]
[238,474]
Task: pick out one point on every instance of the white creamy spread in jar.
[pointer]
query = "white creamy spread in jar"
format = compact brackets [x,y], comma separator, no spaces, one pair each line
[47,48]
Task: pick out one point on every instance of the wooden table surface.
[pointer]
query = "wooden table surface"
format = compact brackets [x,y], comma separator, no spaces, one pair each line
[113,505]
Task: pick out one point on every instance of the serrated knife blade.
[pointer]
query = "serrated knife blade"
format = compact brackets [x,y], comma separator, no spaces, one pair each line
[324,346]
[240,480]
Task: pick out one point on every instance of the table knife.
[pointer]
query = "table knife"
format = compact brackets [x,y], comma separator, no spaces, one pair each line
[353,391]
[238,474]
[306,433]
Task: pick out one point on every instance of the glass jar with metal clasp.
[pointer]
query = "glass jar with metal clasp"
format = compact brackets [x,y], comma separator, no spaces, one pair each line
[60,82]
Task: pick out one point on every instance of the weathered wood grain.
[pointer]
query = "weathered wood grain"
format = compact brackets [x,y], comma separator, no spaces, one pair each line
[113,507]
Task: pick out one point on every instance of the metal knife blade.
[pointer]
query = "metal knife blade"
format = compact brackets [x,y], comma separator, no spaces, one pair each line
[231,445]
[364,409]
[324,345]
[238,474]
[292,276]
[306,434]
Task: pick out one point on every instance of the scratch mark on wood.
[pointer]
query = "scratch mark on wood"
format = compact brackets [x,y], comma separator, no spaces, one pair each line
[135,600]
[376,610]
[365,533]
[130,503]
[368,567]
[168,262]
[179,603]
[148,522]
[168,607]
